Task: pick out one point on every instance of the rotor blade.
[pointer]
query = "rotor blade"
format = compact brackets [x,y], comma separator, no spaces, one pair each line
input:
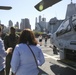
[5,7]
[45,4]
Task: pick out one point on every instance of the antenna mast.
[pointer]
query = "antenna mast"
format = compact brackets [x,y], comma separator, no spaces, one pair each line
[71,1]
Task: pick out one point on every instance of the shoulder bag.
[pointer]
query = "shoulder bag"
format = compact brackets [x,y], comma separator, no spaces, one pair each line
[40,71]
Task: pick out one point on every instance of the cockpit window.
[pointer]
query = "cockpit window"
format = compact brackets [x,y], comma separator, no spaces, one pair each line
[64,28]
[74,24]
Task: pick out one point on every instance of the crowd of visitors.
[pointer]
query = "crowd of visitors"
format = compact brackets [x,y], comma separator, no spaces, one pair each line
[15,53]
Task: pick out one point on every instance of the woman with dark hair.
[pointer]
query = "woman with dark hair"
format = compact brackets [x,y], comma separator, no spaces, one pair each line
[23,62]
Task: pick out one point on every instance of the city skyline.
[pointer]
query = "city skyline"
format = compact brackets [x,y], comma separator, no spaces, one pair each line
[25,9]
[10,23]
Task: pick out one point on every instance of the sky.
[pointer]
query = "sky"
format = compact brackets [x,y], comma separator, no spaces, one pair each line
[22,9]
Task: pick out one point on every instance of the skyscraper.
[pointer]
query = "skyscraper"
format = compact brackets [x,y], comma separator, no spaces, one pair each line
[25,23]
[17,25]
[10,23]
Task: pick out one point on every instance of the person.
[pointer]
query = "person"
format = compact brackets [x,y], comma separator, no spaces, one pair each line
[3,32]
[3,54]
[23,62]
[55,50]
[10,40]
[46,40]
[40,40]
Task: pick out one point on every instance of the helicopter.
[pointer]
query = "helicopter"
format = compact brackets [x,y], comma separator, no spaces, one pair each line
[64,38]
